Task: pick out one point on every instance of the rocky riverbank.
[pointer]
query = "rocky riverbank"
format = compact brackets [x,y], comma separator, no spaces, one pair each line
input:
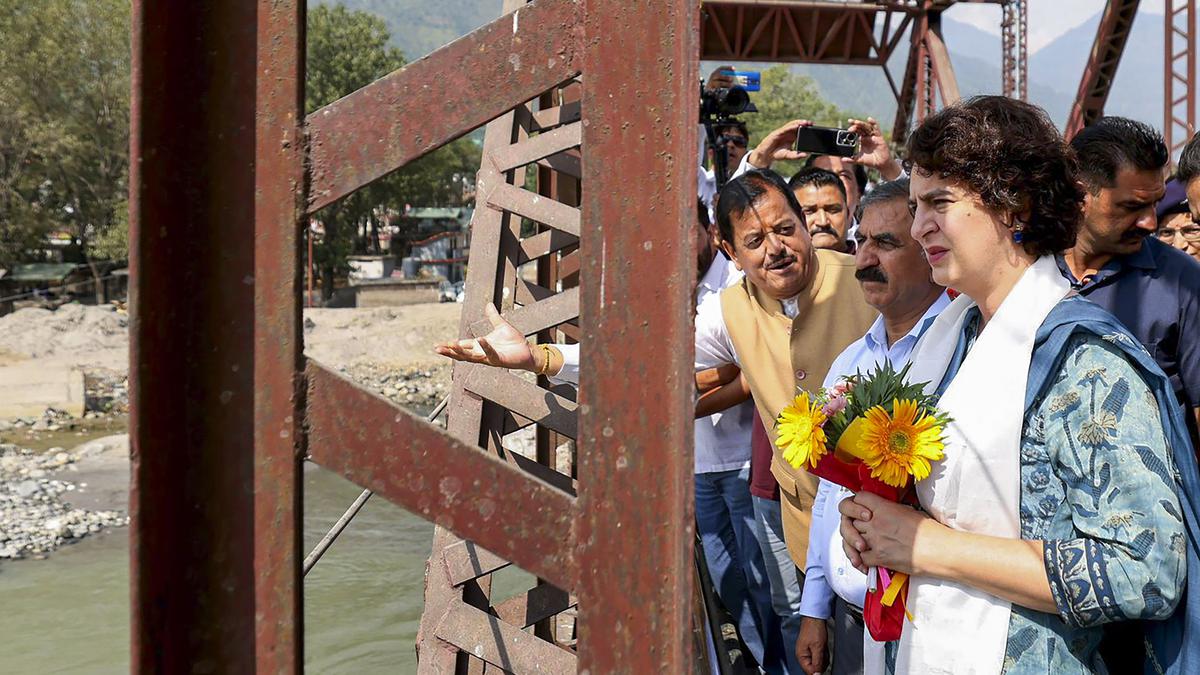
[46,499]
[418,387]
[57,486]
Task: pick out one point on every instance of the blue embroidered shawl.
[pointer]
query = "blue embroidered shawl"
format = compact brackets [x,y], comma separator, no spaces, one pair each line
[1174,643]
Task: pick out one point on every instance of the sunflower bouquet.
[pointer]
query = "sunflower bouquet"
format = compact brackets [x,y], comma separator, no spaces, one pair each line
[876,433]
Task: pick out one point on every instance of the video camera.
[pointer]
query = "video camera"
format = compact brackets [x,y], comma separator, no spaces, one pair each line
[722,105]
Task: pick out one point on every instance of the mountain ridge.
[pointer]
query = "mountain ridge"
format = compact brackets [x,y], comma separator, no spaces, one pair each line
[418,27]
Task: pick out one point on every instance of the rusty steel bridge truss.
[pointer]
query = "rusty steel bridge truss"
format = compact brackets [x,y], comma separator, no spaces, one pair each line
[574,95]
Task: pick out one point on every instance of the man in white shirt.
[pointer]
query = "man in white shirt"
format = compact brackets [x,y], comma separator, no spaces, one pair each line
[735,137]
[895,279]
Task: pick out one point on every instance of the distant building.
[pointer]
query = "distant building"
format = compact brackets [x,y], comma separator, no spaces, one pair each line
[433,242]
[39,284]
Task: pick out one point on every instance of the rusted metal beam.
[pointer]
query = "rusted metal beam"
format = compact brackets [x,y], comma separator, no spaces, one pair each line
[1179,74]
[502,644]
[637,440]
[549,118]
[545,243]
[467,561]
[471,420]
[539,316]
[381,127]
[1115,24]
[192,363]
[1023,48]
[1008,49]
[525,203]
[522,397]
[278,338]
[1014,69]
[416,465]
[528,293]
[539,604]
[943,69]
[543,145]
[913,76]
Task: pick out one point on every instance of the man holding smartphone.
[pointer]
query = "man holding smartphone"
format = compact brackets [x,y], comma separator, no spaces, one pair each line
[873,153]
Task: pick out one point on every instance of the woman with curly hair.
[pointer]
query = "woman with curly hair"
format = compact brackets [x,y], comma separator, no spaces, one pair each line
[1067,497]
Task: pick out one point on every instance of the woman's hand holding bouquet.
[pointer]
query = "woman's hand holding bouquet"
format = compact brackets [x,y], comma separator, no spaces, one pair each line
[870,433]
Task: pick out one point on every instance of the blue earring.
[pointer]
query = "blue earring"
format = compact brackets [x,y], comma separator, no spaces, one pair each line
[1018,236]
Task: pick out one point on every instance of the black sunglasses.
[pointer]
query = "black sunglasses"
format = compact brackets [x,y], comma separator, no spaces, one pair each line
[735,140]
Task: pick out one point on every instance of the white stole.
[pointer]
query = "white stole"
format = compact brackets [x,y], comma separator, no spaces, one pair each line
[957,630]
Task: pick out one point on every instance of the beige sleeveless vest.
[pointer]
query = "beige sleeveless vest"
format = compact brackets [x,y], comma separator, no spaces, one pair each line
[779,355]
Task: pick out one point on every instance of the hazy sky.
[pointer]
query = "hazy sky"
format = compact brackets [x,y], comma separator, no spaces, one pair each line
[1047,18]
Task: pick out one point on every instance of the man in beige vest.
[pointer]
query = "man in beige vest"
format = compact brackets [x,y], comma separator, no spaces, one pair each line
[796,309]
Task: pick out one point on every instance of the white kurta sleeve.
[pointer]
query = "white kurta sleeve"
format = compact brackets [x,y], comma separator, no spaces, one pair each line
[570,370]
[713,344]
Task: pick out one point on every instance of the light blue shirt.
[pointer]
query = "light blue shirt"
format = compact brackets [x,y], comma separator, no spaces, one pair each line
[827,571]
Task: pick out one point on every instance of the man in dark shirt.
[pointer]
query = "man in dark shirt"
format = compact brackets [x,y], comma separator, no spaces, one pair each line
[1149,286]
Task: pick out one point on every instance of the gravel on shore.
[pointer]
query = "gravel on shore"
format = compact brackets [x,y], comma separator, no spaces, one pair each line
[419,387]
[36,494]
[44,504]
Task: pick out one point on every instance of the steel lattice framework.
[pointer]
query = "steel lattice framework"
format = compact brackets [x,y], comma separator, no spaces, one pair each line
[1014,66]
[226,408]
[1179,75]
[1115,24]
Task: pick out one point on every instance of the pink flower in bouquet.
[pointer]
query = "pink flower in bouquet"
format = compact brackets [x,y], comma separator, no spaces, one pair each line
[836,404]
[837,398]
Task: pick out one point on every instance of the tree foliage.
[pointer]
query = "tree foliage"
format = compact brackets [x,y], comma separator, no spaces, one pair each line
[64,144]
[347,50]
[420,26]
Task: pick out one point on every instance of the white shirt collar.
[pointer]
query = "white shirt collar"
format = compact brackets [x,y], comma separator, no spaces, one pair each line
[877,338]
[791,307]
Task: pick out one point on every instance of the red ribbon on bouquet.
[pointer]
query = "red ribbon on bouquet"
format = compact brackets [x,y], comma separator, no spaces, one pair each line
[886,605]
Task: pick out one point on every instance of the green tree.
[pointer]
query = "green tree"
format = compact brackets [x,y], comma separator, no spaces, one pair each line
[64,89]
[346,51]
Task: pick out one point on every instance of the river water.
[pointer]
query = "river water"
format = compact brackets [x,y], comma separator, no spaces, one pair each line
[70,612]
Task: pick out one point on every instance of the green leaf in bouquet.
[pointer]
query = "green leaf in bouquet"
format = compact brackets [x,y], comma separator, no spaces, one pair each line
[883,386]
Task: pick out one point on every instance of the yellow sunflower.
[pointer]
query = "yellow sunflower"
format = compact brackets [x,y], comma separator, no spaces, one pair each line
[799,432]
[900,444]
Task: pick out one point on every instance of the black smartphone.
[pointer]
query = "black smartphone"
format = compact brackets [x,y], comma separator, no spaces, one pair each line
[826,141]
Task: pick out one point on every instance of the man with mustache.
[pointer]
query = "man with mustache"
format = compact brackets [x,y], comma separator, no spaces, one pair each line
[784,323]
[895,280]
[1149,286]
[826,212]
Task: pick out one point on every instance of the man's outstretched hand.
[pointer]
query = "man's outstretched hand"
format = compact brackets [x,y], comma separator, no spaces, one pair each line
[503,347]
